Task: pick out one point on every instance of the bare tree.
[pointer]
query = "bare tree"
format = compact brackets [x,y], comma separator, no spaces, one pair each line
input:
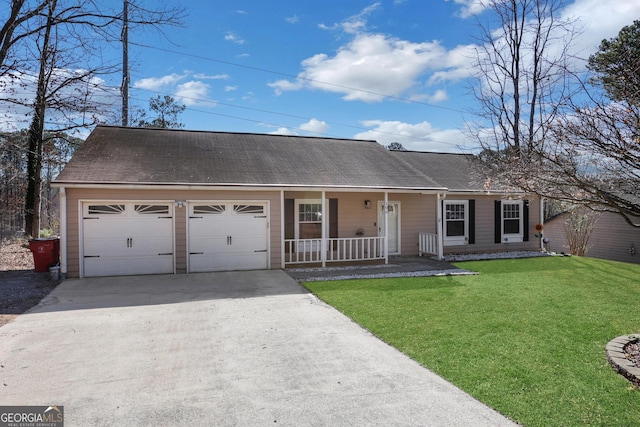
[62,35]
[578,228]
[19,14]
[592,155]
[522,83]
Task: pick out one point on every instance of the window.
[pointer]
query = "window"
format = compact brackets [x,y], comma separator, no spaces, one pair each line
[152,209]
[208,209]
[249,209]
[310,212]
[105,209]
[456,222]
[512,221]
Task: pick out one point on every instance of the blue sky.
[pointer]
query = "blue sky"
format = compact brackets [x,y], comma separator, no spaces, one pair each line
[389,70]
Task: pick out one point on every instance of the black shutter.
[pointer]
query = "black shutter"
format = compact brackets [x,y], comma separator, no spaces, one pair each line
[472,221]
[498,222]
[289,220]
[333,220]
[525,221]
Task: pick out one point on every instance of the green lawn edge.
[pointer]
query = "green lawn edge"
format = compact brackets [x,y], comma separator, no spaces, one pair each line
[525,336]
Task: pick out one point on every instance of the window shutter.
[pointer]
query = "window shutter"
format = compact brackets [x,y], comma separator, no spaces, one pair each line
[525,221]
[498,222]
[289,220]
[333,221]
[472,221]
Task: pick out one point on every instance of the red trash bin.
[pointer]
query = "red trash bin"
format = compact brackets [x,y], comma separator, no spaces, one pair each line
[46,252]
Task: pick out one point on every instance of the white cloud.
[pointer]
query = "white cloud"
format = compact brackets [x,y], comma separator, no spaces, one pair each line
[230,88]
[292,19]
[192,93]
[156,83]
[231,37]
[315,126]
[414,136]
[470,7]
[368,67]
[101,100]
[354,24]
[600,20]
[282,131]
[433,98]
[211,77]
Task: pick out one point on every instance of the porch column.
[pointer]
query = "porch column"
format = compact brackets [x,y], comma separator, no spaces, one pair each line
[282,236]
[323,241]
[386,227]
[63,233]
[440,225]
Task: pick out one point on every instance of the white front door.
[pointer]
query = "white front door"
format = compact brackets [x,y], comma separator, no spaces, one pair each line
[227,236]
[394,225]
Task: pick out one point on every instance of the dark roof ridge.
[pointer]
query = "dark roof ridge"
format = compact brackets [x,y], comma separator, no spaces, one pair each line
[235,133]
[432,152]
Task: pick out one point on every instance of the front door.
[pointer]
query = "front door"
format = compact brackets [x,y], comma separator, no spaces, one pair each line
[394,225]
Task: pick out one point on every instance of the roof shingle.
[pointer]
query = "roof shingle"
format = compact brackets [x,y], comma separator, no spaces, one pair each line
[120,155]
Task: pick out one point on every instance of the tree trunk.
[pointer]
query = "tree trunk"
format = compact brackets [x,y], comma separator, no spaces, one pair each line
[35,137]
[34,170]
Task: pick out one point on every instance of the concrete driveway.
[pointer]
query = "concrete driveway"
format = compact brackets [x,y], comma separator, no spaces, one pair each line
[244,348]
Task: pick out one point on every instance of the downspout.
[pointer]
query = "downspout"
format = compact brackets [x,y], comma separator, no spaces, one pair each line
[323,241]
[542,202]
[63,233]
[440,225]
[282,235]
[386,227]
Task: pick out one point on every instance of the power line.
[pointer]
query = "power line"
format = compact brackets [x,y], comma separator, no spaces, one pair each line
[296,117]
[264,70]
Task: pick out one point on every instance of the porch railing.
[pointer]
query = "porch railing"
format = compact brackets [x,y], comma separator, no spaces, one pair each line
[427,244]
[302,251]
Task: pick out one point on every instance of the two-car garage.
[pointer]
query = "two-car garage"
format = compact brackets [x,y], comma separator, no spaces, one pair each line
[128,238]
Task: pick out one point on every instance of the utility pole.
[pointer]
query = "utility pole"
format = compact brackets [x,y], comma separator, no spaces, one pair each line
[124,89]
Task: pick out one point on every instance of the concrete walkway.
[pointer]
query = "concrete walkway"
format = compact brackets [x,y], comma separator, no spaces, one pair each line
[224,349]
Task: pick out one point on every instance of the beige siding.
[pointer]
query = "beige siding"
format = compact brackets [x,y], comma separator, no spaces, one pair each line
[418,214]
[611,239]
[75,196]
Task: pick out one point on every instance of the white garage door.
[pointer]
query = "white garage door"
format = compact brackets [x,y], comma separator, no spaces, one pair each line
[227,236]
[127,238]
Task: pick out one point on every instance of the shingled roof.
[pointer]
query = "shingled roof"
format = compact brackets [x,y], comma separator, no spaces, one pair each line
[456,172]
[122,155]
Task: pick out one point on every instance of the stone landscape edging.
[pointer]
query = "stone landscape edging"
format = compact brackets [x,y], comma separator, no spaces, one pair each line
[618,360]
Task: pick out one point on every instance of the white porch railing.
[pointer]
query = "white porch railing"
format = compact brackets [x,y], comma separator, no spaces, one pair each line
[303,251]
[427,244]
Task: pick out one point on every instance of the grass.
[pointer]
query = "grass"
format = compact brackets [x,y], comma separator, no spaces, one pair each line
[525,336]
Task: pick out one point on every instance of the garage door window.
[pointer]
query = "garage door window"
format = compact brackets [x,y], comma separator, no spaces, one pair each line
[249,209]
[209,209]
[105,209]
[152,209]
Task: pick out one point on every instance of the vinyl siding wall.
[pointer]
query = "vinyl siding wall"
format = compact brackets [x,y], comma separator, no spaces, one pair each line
[611,239]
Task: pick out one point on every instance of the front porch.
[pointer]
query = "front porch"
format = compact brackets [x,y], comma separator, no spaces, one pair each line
[330,229]
[349,249]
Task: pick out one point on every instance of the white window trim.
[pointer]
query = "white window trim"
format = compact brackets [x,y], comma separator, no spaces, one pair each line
[296,213]
[512,237]
[456,240]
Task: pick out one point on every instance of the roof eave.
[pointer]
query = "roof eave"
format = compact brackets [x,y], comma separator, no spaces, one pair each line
[226,186]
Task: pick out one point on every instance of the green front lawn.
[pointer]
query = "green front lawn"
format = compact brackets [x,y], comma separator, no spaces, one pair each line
[525,336]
